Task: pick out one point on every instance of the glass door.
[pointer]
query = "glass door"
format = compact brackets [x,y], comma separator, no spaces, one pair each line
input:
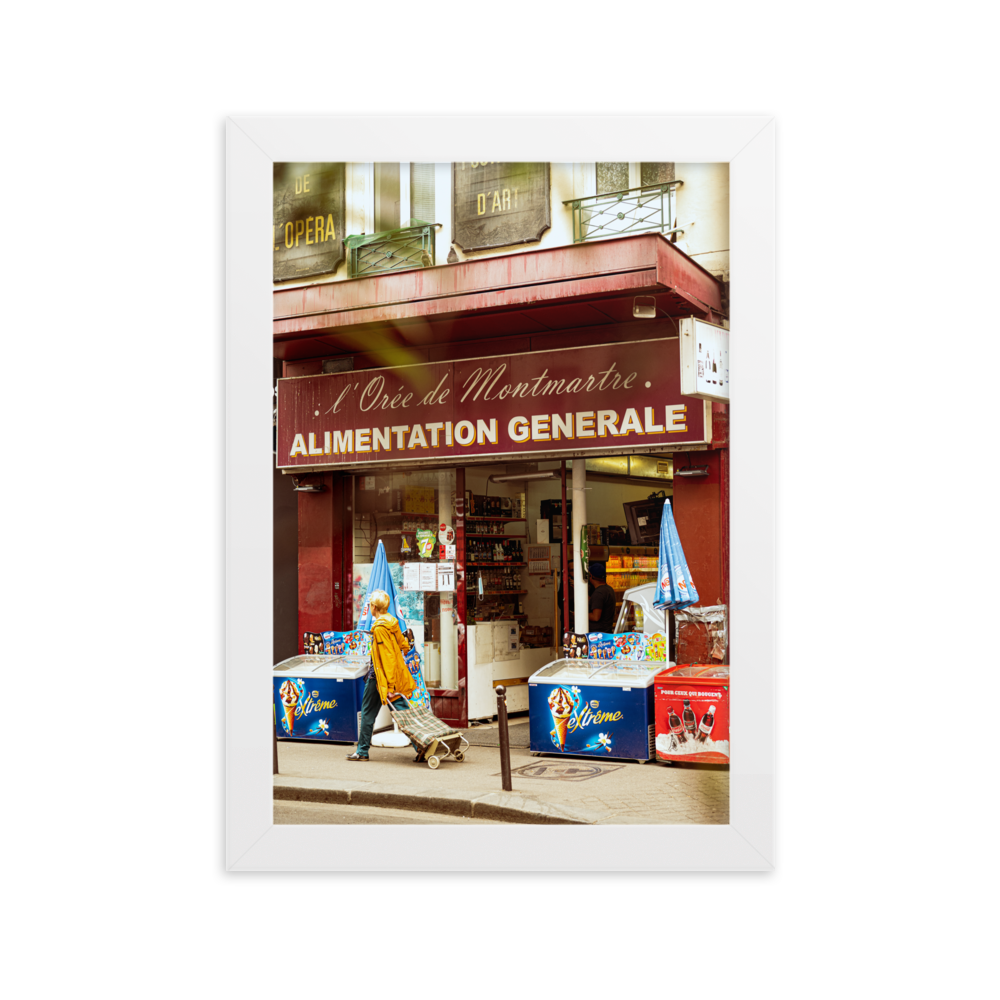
[417,515]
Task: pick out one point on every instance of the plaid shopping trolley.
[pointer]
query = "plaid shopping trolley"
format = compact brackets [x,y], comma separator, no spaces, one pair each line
[434,740]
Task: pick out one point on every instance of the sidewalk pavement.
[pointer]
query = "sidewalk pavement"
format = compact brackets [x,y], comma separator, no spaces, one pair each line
[555,790]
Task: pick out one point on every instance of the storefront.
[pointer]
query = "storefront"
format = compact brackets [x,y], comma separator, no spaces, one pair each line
[445,412]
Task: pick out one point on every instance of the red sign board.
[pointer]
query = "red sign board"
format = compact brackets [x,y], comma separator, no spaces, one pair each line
[613,397]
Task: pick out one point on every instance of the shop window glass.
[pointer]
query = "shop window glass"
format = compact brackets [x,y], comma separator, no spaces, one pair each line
[405,510]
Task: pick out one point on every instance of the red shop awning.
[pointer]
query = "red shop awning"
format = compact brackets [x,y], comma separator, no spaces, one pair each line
[517,295]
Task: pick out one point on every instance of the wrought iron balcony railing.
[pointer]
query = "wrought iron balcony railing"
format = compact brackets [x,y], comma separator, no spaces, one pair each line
[394,250]
[622,213]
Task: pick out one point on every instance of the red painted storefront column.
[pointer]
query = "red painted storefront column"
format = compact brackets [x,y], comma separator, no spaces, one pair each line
[701,510]
[322,591]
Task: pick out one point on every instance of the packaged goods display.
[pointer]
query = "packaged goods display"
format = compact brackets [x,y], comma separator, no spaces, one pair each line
[628,647]
[354,644]
[495,551]
[574,646]
[500,579]
[312,643]
[536,636]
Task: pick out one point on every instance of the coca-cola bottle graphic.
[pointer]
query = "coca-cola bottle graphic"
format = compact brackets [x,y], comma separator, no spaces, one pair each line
[707,722]
[690,719]
[676,726]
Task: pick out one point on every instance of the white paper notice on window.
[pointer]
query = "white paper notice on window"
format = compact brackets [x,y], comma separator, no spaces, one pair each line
[428,576]
[411,576]
[446,576]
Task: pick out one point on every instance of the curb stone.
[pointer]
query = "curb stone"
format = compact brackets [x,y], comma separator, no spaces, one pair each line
[505,807]
[509,807]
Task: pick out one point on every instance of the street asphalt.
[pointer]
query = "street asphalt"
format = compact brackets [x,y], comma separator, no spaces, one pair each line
[554,789]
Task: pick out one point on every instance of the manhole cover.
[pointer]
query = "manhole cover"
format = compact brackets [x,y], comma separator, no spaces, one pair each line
[566,772]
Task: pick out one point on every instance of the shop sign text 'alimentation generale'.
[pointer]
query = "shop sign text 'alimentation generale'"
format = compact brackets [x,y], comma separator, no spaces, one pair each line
[614,395]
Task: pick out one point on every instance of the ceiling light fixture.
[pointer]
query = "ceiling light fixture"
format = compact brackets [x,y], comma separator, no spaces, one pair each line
[523,477]
[644,307]
[300,487]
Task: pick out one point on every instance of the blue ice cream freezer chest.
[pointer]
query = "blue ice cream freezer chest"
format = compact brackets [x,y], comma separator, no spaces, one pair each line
[593,707]
[319,697]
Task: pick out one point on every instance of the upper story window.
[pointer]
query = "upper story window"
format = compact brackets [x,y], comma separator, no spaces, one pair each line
[612,177]
[622,176]
[402,210]
[387,201]
[422,191]
[629,198]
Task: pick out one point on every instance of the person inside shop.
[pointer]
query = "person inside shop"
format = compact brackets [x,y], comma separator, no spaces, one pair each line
[388,677]
[602,600]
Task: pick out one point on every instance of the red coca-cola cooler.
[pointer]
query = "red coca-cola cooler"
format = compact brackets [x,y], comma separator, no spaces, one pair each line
[691,707]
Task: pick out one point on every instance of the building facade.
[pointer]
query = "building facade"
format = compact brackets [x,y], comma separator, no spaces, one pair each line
[483,294]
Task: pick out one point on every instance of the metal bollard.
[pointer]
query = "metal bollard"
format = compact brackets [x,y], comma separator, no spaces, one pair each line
[504,738]
[274,740]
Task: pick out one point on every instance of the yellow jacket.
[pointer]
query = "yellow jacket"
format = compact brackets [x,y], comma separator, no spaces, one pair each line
[388,646]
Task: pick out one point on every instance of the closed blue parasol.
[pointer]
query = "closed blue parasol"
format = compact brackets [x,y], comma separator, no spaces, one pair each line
[674,589]
[381,579]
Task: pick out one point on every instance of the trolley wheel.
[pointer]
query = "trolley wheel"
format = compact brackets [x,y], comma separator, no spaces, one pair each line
[432,762]
[459,755]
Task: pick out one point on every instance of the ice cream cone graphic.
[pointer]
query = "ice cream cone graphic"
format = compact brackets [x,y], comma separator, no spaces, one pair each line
[561,707]
[289,699]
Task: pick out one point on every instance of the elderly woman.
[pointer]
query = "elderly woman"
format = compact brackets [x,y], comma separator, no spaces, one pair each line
[389,679]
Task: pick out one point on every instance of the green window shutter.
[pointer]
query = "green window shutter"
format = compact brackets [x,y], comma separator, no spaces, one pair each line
[422,192]
[386,196]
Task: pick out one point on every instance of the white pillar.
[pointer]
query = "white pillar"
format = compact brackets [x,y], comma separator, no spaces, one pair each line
[580,595]
[449,654]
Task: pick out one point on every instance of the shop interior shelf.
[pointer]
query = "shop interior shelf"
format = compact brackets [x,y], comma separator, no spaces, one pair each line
[474,536]
[476,517]
[496,593]
[633,570]
[471,565]
[601,552]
